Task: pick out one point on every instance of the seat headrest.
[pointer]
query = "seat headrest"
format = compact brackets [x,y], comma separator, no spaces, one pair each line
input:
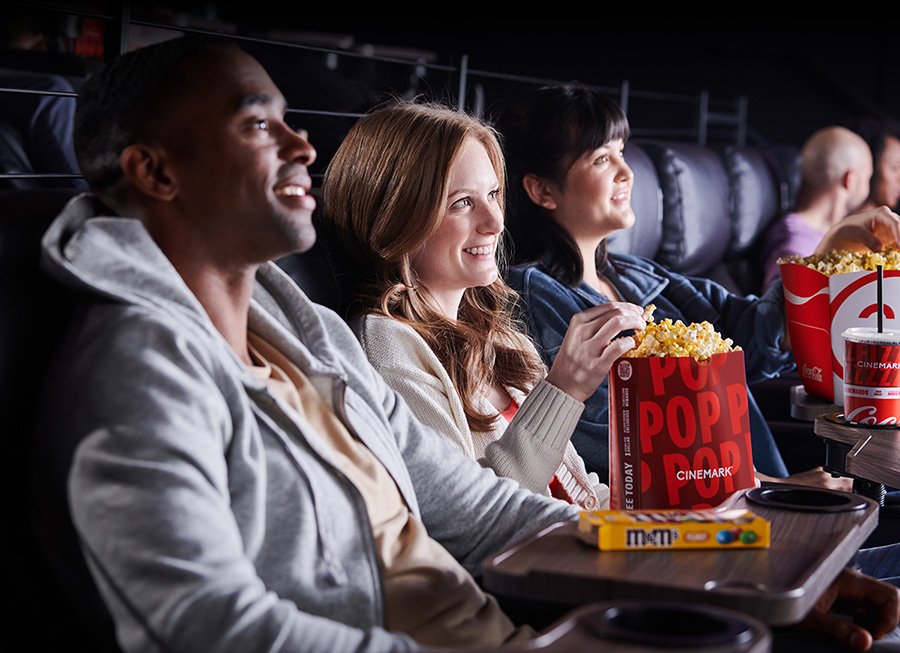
[696,206]
[755,195]
[645,237]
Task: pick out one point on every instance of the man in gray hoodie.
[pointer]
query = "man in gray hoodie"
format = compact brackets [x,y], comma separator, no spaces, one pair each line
[242,479]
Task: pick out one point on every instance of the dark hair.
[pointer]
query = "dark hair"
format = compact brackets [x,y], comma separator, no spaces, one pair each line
[875,132]
[543,133]
[120,105]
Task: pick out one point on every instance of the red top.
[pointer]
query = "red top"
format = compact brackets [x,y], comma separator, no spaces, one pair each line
[510,412]
[556,488]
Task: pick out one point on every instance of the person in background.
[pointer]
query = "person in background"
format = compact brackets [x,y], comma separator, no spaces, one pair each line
[836,166]
[883,137]
[35,122]
[415,194]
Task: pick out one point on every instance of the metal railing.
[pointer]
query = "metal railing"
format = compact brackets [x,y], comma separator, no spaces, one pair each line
[459,84]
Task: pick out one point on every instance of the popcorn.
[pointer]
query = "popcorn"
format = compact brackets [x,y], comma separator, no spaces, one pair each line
[668,338]
[840,261]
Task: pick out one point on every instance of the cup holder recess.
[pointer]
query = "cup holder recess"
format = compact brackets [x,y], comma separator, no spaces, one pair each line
[790,497]
[669,626]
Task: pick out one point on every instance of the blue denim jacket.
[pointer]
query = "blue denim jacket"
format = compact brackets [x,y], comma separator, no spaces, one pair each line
[754,323]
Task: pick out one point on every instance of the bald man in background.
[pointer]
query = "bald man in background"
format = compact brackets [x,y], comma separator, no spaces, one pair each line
[836,169]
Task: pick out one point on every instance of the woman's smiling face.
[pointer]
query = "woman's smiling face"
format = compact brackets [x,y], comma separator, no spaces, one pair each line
[461,253]
[594,199]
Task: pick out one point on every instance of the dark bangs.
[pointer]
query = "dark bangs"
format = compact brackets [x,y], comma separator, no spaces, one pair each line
[592,120]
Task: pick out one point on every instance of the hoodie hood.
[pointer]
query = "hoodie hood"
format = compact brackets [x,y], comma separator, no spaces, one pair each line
[92,250]
[113,258]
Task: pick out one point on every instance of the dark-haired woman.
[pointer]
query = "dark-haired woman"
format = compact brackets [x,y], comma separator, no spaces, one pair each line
[569,189]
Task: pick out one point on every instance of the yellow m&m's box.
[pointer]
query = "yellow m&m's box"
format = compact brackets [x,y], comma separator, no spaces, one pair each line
[636,530]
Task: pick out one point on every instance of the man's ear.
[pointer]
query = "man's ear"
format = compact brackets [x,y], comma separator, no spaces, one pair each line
[539,191]
[145,167]
[848,179]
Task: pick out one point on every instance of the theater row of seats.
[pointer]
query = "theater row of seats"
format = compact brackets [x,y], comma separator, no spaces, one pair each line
[699,211]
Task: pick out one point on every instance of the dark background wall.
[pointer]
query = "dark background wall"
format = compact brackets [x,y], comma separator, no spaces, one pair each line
[796,73]
[795,80]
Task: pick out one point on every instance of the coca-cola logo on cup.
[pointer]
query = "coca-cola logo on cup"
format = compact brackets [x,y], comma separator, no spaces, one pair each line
[813,373]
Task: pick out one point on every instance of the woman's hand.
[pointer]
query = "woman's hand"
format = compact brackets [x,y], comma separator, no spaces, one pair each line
[867,231]
[588,349]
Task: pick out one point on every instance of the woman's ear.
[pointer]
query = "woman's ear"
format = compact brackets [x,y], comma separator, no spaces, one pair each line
[145,168]
[539,191]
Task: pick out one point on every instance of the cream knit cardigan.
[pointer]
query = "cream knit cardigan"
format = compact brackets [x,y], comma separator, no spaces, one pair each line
[530,449]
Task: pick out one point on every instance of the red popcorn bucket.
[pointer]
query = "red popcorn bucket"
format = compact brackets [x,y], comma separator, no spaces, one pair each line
[871,376]
[679,432]
[820,307]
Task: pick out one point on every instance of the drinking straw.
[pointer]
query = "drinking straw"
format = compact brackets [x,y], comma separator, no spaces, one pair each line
[879,284]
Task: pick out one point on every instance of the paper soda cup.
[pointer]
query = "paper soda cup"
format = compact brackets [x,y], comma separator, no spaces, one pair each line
[819,308]
[871,376]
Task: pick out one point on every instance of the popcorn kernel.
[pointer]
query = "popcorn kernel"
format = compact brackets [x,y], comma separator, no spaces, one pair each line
[668,338]
[841,262]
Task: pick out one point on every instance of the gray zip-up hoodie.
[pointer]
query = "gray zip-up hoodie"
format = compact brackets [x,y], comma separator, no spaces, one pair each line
[211,518]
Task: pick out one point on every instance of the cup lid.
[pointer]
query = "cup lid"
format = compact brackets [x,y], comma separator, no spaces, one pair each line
[872,335]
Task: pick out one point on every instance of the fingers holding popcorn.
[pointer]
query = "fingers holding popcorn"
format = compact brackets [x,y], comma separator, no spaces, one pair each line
[591,345]
[873,230]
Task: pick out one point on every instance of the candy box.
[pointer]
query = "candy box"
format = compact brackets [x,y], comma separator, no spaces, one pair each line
[645,530]
[679,431]
[820,308]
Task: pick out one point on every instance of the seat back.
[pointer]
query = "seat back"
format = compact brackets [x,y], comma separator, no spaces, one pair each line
[49,573]
[696,224]
[645,237]
[755,192]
